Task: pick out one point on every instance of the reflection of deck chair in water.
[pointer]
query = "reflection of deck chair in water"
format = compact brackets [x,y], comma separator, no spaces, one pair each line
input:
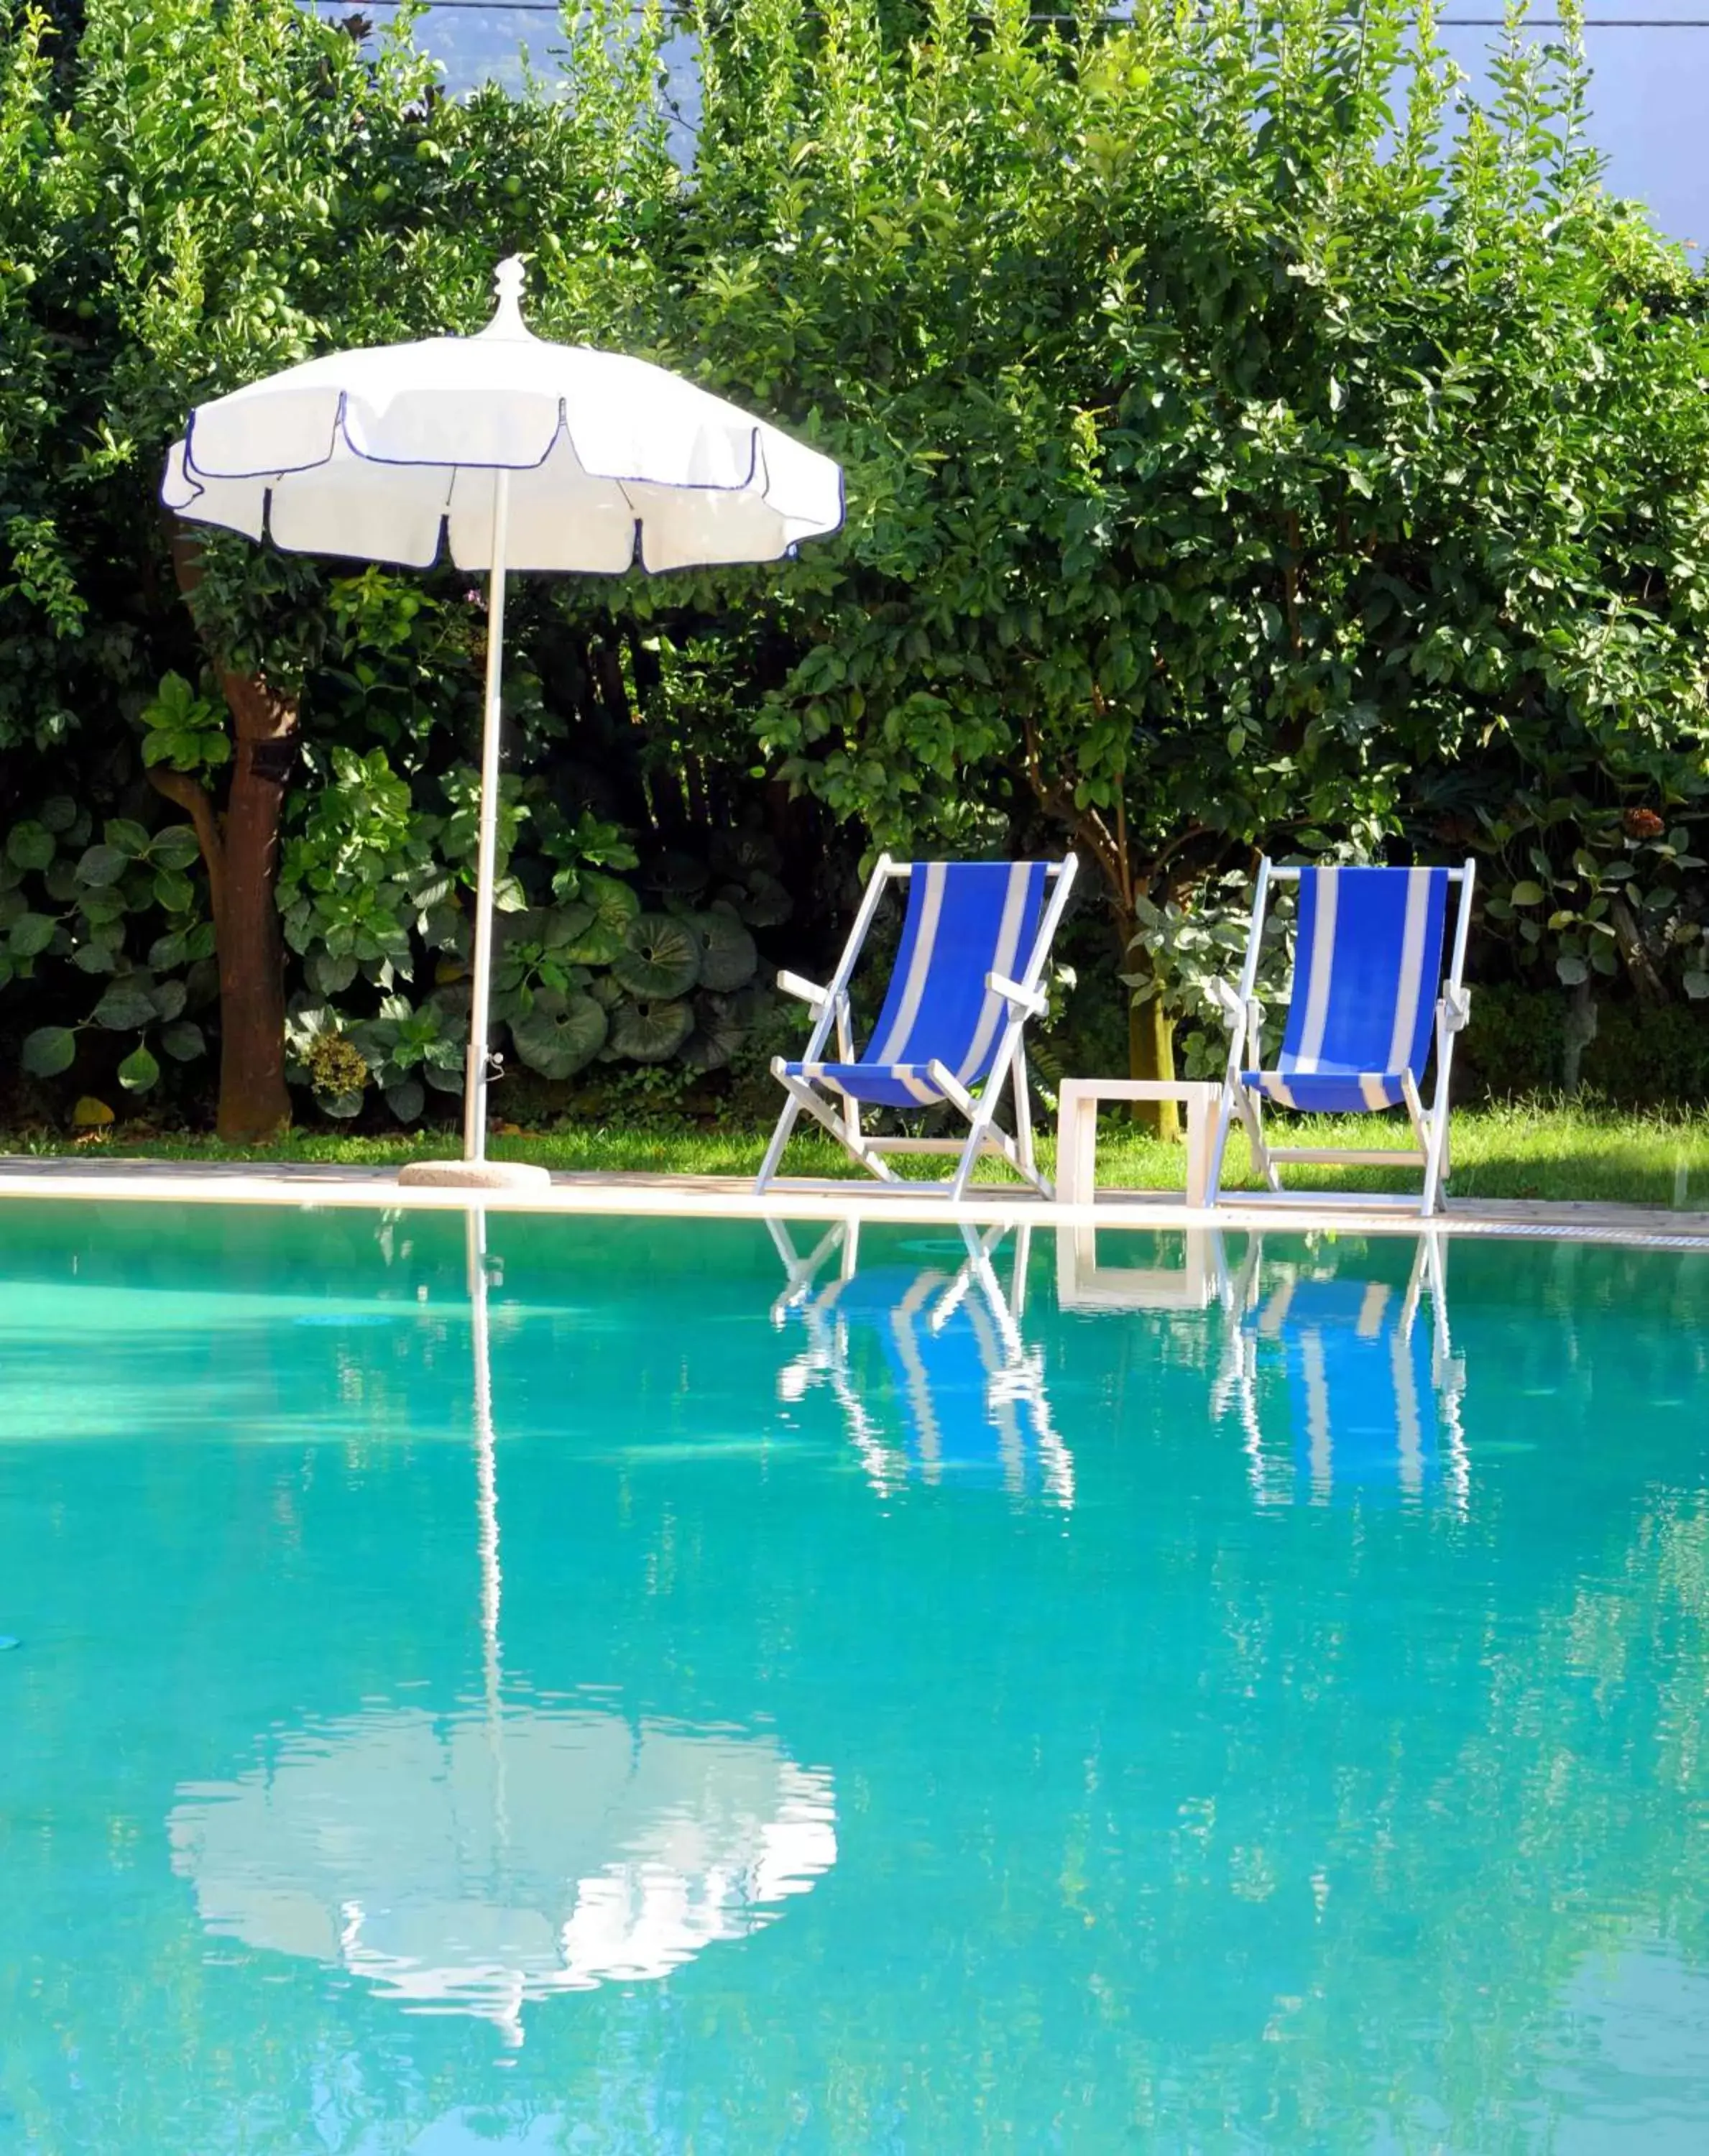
[967,1393]
[967,978]
[1373,1396]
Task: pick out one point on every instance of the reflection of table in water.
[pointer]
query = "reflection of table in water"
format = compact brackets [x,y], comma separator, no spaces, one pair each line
[1373,1400]
[1082,1284]
[968,1392]
[472,1860]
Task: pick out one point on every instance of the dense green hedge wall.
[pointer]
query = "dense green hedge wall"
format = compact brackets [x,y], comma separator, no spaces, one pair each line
[1251,442]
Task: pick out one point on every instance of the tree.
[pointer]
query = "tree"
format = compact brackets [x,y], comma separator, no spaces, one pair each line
[233,189]
[1251,444]
[1238,460]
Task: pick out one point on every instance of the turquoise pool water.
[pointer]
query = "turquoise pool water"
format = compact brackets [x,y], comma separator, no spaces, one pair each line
[674,1699]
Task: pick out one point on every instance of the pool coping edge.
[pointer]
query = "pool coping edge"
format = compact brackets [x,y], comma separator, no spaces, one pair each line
[306,1187]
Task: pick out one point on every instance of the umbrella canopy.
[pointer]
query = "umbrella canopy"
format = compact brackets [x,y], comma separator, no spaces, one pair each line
[508,453]
[395,454]
[463,1866]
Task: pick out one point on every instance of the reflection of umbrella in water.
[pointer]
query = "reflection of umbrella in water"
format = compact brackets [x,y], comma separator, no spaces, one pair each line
[470,1863]
[460,1868]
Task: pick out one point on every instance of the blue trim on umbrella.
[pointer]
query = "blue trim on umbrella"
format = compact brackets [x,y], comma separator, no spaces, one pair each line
[340,429]
[790,550]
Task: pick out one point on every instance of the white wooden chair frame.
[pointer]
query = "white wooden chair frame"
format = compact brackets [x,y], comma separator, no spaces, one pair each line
[841,1115]
[1245,1016]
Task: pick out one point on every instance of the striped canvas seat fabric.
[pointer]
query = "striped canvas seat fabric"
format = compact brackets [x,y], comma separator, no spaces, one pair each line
[1367,972]
[965,919]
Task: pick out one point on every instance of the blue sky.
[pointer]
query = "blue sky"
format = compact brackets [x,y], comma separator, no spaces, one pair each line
[1648,101]
[1651,92]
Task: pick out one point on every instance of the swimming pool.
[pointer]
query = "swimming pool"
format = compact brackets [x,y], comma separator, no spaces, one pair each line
[713,1691]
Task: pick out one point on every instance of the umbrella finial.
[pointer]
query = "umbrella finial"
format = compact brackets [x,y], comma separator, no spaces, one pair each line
[508,281]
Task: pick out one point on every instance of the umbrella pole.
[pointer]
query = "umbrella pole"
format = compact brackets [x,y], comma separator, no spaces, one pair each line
[486,872]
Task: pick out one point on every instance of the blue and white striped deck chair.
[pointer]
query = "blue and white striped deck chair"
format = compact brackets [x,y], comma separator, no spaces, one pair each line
[930,1369]
[1368,1002]
[1371,1397]
[974,946]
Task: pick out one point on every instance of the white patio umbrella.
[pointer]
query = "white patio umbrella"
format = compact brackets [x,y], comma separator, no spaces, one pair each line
[513,454]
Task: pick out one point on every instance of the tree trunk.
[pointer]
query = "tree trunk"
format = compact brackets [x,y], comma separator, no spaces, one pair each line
[1151,1046]
[1151,1054]
[243,864]
[1640,967]
[255,1103]
[1576,1034]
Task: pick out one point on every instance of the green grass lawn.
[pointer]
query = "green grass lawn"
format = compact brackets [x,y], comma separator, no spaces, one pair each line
[1550,1150]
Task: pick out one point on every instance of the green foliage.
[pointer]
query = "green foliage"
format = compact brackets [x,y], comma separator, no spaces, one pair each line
[1239,456]
[111,934]
[1253,441]
[360,875]
[1638,1055]
[48,1050]
[1515,1046]
[1646,1055]
[41,574]
[1185,947]
[374,890]
[183,731]
[1601,891]
[660,959]
[563,1031]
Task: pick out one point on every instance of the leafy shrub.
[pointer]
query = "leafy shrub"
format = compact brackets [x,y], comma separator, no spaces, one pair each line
[1592,890]
[375,893]
[112,933]
[1650,1055]
[1640,1056]
[1184,946]
[1514,1043]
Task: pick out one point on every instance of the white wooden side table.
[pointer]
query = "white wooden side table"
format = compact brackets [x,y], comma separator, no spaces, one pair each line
[1077,1129]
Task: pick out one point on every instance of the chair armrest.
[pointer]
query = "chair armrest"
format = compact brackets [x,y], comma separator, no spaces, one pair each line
[791,984]
[1033,1001]
[1456,1008]
[1248,1016]
[1222,994]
